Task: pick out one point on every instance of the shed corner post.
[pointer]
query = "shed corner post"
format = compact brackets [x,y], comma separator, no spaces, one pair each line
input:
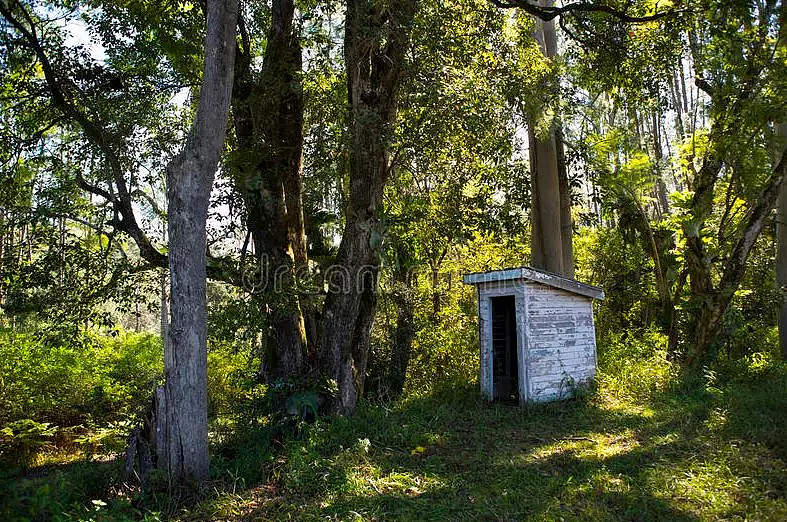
[485,343]
[523,350]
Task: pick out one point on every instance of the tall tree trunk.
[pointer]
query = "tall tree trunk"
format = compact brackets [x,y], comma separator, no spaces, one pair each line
[661,188]
[163,315]
[375,42]
[536,233]
[683,95]
[268,118]
[404,333]
[164,310]
[674,88]
[697,260]
[3,233]
[781,254]
[189,181]
[435,264]
[547,239]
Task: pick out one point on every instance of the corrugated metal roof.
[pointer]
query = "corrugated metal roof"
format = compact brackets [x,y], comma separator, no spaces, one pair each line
[536,275]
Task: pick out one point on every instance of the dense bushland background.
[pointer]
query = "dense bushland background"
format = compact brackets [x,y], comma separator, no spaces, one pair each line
[649,440]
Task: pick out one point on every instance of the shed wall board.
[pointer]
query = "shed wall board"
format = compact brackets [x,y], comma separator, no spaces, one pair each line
[556,342]
[562,344]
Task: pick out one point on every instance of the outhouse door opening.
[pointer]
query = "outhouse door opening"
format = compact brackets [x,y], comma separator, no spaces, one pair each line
[504,348]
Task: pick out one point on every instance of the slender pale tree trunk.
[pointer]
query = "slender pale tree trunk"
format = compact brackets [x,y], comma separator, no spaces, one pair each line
[189,181]
[781,254]
[661,188]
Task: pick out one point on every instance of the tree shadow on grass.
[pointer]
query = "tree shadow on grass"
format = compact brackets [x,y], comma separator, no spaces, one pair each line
[573,460]
[468,459]
[54,490]
[452,456]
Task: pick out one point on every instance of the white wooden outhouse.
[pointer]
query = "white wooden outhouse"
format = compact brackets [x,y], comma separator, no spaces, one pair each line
[538,341]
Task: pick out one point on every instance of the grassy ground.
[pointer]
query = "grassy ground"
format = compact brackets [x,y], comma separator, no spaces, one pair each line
[645,446]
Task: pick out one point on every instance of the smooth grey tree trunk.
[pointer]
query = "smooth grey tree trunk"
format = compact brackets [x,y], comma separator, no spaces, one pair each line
[566,223]
[189,181]
[547,206]
[547,241]
[781,253]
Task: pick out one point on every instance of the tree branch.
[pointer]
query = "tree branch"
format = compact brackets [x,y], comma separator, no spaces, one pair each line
[751,231]
[550,13]
[93,131]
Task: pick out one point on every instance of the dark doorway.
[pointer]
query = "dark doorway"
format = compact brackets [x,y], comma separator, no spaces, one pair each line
[504,348]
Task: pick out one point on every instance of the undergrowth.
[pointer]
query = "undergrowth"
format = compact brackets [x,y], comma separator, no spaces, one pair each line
[647,444]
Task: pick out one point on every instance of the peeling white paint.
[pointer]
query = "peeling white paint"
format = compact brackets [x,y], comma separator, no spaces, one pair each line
[556,339]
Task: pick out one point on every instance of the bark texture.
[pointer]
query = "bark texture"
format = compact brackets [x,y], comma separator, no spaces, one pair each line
[189,180]
[376,39]
[268,120]
[713,300]
[547,241]
[552,230]
[566,223]
[781,253]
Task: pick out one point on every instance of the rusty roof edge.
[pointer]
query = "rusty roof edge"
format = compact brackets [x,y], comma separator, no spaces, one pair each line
[537,275]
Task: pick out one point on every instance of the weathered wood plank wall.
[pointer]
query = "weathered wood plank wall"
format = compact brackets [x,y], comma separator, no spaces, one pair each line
[561,341]
[556,339]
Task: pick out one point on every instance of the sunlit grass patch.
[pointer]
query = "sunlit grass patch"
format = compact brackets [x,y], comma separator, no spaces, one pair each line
[680,453]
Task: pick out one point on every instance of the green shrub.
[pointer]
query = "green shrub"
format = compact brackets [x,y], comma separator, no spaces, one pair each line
[633,365]
[231,373]
[84,388]
[443,355]
[22,439]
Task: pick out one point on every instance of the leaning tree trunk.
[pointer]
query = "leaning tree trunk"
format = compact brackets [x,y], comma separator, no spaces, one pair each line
[189,181]
[716,300]
[698,264]
[374,48]
[268,118]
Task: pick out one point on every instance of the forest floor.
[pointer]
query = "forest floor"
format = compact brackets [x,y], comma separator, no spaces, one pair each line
[714,448]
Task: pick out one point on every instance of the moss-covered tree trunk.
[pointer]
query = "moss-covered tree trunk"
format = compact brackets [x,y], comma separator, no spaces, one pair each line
[712,300]
[375,42]
[781,253]
[268,120]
